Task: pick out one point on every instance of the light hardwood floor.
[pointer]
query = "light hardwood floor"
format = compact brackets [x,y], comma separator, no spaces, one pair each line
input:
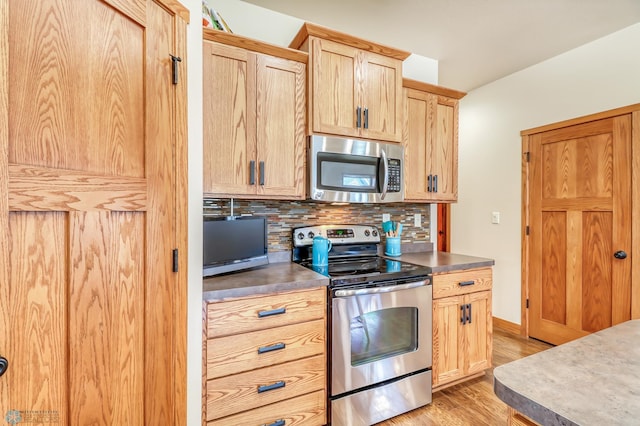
[473,402]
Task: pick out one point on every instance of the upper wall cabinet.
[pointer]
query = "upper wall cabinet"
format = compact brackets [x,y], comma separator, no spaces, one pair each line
[355,86]
[253,118]
[430,142]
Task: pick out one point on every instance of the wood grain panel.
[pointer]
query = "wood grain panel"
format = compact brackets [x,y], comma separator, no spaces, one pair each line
[5,268]
[136,9]
[446,152]
[448,337]
[235,354]
[240,316]
[45,189]
[233,394]
[280,127]
[36,317]
[554,267]
[596,274]
[445,285]
[106,278]
[308,410]
[479,333]
[635,218]
[382,97]
[417,152]
[594,170]
[557,160]
[105,86]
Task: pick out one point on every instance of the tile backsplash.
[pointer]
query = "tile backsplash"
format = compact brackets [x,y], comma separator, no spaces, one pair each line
[283,216]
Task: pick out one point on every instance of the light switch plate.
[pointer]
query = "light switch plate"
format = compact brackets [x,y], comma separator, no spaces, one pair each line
[495,217]
[386,217]
[417,220]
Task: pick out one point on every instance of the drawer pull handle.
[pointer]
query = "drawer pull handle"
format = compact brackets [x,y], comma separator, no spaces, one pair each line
[464,283]
[276,347]
[276,385]
[262,314]
[276,423]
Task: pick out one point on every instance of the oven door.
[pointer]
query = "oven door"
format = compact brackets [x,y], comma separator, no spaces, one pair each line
[379,333]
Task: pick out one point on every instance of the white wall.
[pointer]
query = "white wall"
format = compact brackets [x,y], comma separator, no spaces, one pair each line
[598,76]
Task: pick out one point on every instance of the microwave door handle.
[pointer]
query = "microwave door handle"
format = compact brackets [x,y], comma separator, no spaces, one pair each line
[385,168]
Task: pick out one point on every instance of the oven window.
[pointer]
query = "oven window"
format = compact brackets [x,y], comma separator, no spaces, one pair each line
[383,333]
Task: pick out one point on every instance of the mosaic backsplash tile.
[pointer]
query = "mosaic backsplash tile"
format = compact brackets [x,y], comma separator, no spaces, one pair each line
[283,216]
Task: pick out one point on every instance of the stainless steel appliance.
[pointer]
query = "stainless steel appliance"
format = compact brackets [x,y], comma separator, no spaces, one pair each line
[380,315]
[355,171]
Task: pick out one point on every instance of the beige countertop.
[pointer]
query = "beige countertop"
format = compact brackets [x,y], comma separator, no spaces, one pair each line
[594,380]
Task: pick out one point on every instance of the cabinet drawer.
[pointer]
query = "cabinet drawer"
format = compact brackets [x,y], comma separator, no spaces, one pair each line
[257,388]
[235,354]
[306,409]
[464,282]
[260,313]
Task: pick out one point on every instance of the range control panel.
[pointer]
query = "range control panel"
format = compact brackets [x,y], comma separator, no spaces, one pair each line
[337,234]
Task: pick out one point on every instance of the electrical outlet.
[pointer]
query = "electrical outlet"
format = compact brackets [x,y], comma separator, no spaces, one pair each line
[417,220]
[386,217]
[495,217]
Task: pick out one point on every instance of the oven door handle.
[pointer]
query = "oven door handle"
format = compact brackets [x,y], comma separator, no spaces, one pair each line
[376,290]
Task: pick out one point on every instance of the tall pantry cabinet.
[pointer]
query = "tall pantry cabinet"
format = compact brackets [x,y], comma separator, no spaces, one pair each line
[92,197]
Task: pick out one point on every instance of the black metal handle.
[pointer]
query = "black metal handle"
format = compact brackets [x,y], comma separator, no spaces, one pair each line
[262,314]
[261,178]
[175,60]
[462,316]
[464,283]
[4,364]
[620,254]
[252,172]
[276,385]
[271,348]
[435,183]
[429,183]
[469,313]
[279,422]
[358,117]
[366,118]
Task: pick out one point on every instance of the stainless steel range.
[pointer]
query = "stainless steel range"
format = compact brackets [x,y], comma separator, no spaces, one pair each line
[380,312]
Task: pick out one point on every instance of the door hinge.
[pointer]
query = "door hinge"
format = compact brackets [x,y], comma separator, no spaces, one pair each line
[526,230]
[527,156]
[174,61]
[527,303]
[175,260]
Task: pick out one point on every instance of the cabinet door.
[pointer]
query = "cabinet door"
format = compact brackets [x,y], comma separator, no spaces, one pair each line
[280,108]
[229,132]
[381,94]
[478,332]
[334,96]
[444,150]
[419,111]
[448,339]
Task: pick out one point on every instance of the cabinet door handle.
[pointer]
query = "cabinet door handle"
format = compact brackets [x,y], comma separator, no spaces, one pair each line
[435,183]
[366,118]
[429,183]
[279,311]
[273,386]
[464,283]
[463,319]
[271,348]
[261,173]
[469,313]
[252,172]
[279,422]
[358,117]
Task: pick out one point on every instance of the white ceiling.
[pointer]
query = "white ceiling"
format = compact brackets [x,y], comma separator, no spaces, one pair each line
[475,41]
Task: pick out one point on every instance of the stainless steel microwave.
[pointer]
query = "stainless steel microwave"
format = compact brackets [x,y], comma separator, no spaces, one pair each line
[355,171]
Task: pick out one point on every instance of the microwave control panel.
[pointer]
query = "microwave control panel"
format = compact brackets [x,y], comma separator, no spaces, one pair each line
[393,183]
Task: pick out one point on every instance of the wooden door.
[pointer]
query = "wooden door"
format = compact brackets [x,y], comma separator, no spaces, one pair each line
[280,107]
[579,217]
[229,124]
[91,193]
[381,94]
[418,117]
[448,340]
[334,82]
[444,151]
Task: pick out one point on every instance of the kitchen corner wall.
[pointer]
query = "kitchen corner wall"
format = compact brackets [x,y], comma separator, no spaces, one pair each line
[283,216]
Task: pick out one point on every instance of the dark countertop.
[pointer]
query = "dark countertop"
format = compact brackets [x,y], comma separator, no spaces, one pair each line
[594,380]
[267,279]
[443,262]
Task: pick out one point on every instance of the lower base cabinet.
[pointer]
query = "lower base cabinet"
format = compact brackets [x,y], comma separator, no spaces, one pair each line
[265,360]
[462,326]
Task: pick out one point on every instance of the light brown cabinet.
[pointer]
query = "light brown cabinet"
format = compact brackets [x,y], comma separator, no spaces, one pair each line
[462,326]
[254,119]
[355,86]
[265,359]
[431,142]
